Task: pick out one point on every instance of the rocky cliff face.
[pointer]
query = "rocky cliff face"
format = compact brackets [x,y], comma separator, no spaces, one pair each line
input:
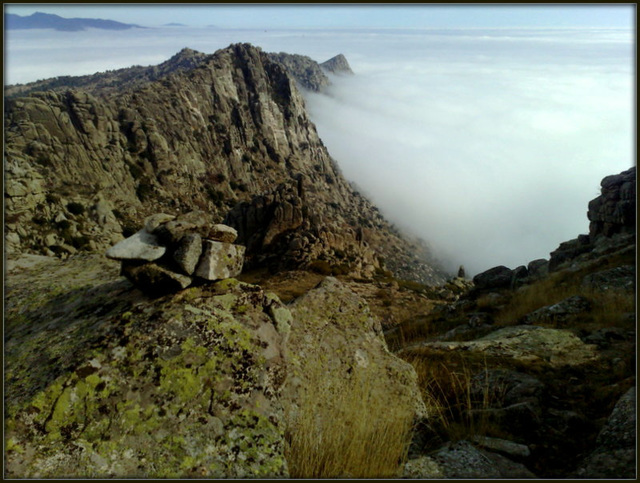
[85,165]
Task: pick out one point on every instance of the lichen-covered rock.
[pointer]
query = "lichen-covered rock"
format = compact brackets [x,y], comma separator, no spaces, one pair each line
[139,246]
[220,260]
[558,312]
[183,386]
[334,332]
[623,277]
[524,343]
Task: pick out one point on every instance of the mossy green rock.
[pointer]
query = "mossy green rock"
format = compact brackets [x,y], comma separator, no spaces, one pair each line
[183,386]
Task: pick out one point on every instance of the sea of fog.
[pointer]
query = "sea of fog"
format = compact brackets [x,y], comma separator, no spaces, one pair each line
[488,144]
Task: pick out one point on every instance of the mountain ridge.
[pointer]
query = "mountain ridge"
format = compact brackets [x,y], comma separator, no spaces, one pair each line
[207,132]
[40,20]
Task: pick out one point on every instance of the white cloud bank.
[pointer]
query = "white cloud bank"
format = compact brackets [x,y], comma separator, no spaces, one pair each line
[487,144]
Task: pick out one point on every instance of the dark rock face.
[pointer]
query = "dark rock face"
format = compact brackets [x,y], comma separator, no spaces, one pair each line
[615,455]
[614,210]
[198,132]
[496,277]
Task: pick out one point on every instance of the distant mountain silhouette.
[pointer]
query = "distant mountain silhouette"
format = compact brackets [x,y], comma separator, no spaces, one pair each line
[41,20]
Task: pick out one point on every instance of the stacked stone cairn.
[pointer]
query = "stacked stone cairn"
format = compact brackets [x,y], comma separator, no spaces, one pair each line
[171,253]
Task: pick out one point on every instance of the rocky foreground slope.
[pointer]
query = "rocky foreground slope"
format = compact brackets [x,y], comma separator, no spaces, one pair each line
[227,133]
[534,378]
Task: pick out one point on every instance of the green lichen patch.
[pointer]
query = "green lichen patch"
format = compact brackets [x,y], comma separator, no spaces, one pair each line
[183,386]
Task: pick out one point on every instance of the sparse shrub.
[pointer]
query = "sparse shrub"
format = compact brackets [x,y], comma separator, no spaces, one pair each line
[75,208]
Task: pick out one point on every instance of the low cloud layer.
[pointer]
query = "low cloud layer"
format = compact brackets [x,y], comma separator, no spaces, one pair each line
[486,144]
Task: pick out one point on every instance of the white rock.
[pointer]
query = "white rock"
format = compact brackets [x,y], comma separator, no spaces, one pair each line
[139,246]
[220,260]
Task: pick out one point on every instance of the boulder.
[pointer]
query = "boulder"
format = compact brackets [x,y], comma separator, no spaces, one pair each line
[559,312]
[520,274]
[220,260]
[569,251]
[341,373]
[538,269]
[139,246]
[524,343]
[222,233]
[503,446]
[463,460]
[187,253]
[154,221]
[494,278]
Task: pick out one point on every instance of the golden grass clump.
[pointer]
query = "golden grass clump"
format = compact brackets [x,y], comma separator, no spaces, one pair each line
[447,391]
[343,427]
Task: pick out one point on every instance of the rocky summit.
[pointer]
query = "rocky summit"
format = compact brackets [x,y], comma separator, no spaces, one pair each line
[193,290]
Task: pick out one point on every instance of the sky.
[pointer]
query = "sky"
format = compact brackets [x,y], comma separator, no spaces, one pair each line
[347,16]
[488,143]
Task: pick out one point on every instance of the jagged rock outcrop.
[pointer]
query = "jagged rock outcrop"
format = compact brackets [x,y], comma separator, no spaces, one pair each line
[304,69]
[337,65]
[197,132]
[614,210]
[612,227]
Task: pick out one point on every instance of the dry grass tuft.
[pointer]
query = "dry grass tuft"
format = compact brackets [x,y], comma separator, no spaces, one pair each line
[342,428]
[447,391]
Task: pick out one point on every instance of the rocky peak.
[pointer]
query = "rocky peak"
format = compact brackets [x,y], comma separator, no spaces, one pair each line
[304,69]
[337,65]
